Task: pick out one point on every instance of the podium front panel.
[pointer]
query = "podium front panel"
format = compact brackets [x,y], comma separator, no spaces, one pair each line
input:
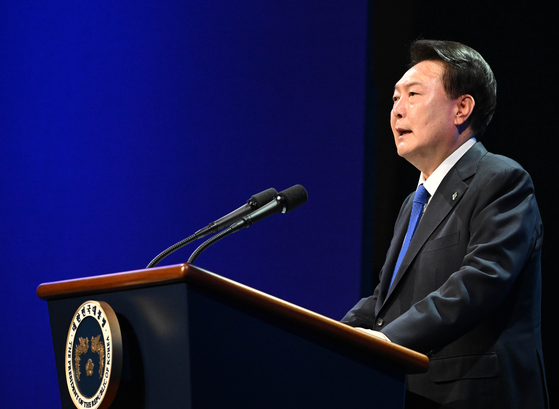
[186,347]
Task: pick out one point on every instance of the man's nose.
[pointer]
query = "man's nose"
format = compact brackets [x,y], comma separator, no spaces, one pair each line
[398,110]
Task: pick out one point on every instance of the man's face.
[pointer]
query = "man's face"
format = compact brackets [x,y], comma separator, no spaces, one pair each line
[423,118]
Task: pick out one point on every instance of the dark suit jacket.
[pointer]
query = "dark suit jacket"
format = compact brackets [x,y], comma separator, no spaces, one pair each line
[468,292]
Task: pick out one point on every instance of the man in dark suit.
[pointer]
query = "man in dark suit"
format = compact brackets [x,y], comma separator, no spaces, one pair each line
[464,287]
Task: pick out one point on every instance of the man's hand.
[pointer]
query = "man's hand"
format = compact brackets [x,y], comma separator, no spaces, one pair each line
[376,334]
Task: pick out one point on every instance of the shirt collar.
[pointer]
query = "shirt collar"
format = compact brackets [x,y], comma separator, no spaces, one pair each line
[433,182]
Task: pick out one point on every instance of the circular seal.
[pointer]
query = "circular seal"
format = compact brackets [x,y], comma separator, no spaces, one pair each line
[93,356]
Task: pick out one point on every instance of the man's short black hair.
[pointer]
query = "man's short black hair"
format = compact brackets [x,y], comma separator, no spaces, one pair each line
[466,72]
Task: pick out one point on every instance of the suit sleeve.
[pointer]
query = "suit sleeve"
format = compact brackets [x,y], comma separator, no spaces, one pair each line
[503,227]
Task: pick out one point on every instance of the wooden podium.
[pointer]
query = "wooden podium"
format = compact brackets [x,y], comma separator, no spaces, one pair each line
[193,339]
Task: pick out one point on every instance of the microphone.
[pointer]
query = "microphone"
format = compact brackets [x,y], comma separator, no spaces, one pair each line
[252,204]
[284,202]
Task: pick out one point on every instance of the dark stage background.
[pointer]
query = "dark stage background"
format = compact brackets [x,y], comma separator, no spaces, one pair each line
[518,40]
[127,126]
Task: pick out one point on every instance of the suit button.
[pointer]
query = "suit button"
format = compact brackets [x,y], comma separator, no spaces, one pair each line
[380,322]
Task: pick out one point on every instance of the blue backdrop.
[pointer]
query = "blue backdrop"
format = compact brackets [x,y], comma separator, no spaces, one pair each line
[126,126]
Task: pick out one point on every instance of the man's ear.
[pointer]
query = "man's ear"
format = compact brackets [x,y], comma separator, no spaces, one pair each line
[465,106]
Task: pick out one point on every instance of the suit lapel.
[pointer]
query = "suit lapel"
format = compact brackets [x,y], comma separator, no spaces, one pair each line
[395,246]
[448,195]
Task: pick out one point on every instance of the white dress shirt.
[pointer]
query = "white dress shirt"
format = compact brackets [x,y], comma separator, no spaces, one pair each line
[433,182]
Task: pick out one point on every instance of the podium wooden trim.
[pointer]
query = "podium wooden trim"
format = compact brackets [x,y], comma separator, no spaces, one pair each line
[407,359]
[365,351]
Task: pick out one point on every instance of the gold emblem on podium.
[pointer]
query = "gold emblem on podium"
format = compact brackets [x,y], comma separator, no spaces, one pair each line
[93,349]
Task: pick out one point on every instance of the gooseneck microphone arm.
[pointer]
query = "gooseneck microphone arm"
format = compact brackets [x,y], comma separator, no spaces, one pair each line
[171,249]
[284,202]
[209,242]
[254,203]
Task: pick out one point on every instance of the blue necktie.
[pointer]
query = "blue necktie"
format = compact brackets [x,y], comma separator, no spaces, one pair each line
[419,200]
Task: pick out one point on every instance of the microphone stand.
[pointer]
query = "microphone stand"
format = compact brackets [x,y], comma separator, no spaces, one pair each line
[212,240]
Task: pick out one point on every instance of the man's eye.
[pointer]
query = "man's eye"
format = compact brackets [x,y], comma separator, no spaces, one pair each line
[395,99]
[412,94]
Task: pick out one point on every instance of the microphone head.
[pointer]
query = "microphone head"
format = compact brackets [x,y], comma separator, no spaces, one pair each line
[260,199]
[293,197]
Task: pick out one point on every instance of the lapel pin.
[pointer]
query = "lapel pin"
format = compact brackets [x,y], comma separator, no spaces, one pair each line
[454,195]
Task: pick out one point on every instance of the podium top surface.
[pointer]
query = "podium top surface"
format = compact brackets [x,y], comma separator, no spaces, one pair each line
[410,361]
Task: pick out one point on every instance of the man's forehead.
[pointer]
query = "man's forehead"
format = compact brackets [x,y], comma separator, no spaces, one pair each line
[421,73]
[406,84]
